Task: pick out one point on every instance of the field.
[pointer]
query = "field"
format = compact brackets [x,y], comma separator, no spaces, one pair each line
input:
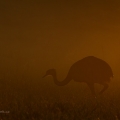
[42,100]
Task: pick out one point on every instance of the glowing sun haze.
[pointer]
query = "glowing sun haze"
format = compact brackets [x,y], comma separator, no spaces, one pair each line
[42,34]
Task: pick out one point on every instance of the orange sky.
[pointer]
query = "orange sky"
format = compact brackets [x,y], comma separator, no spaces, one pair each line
[42,34]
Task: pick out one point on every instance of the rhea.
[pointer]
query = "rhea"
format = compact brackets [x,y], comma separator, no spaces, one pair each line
[89,70]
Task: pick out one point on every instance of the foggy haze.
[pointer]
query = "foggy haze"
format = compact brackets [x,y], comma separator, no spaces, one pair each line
[38,35]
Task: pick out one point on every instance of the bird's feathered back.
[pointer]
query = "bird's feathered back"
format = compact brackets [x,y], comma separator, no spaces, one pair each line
[91,68]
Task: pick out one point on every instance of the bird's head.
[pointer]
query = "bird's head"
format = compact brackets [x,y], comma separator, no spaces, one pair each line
[50,72]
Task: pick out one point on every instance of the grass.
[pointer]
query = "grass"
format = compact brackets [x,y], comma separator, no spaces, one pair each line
[46,101]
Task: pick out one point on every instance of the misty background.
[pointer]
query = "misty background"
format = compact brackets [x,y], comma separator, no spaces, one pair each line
[41,34]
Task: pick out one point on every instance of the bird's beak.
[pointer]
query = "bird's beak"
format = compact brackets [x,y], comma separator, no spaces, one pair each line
[44,76]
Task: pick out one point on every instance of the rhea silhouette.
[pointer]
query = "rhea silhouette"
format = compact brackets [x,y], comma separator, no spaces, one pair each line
[89,70]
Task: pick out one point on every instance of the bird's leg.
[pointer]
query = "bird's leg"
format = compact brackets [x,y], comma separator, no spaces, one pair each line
[104,88]
[91,86]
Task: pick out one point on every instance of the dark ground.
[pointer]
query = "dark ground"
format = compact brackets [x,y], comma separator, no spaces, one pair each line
[23,100]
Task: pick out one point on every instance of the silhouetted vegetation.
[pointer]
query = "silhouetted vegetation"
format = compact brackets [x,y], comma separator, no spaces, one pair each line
[32,101]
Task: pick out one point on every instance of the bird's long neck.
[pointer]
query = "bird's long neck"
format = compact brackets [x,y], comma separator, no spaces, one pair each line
[61,83]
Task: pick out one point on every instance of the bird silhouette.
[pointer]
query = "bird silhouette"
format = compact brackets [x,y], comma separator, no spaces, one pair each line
[89,70]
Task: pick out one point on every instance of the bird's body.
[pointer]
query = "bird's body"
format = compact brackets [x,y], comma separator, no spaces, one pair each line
[89,70]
